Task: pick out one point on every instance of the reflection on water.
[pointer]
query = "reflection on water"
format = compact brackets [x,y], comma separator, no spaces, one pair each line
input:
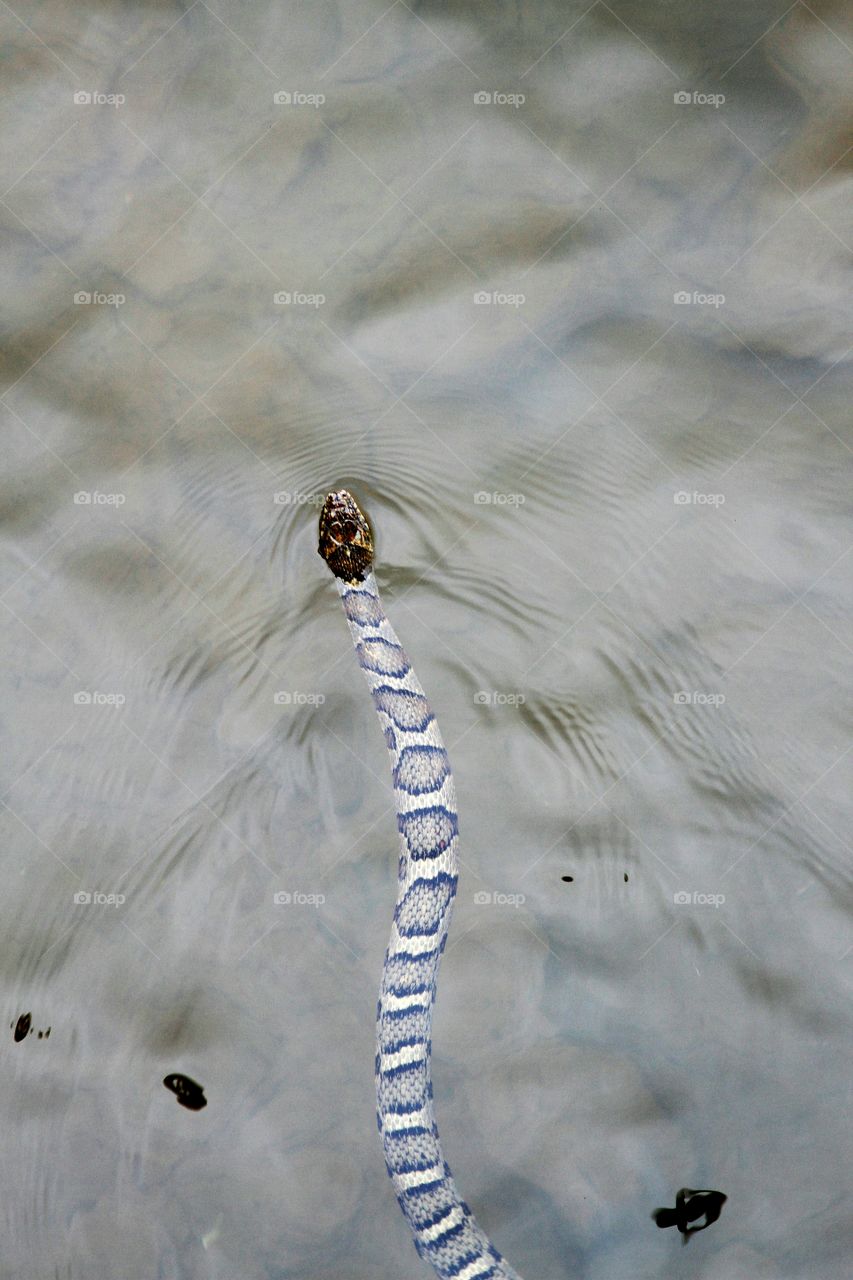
[582,353]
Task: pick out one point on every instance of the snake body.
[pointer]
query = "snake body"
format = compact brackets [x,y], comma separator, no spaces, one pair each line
[444,1229]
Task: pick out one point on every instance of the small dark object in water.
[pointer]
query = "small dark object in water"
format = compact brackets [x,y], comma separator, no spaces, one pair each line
[567,879]
[626,877]
[22,1026]
[188,1093]
[689,1206]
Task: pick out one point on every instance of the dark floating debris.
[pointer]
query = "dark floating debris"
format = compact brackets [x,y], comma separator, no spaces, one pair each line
[689,1207]
[570,879]
[188,1093]
[22,1026]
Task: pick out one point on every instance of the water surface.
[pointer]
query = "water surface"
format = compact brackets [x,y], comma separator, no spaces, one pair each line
[582,352]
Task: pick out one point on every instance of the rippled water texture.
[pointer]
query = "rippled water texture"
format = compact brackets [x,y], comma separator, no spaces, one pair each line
[582,352]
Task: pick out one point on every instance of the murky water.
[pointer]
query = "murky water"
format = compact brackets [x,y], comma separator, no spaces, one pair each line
[580,347]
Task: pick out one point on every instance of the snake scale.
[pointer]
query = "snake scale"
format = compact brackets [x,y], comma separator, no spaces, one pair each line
[444,1229]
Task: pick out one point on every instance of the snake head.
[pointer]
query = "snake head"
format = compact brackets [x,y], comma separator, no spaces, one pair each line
[346,543]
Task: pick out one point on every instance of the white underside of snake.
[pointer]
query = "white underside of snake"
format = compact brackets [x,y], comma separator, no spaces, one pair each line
[444,1229]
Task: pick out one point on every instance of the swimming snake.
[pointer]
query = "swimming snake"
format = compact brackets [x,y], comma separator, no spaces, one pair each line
[444,1229]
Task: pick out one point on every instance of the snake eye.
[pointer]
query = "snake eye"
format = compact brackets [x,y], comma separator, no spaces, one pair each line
[335,530]
[350,530]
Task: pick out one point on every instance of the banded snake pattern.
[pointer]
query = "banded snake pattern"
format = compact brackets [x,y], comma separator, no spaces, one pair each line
[444,1229]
